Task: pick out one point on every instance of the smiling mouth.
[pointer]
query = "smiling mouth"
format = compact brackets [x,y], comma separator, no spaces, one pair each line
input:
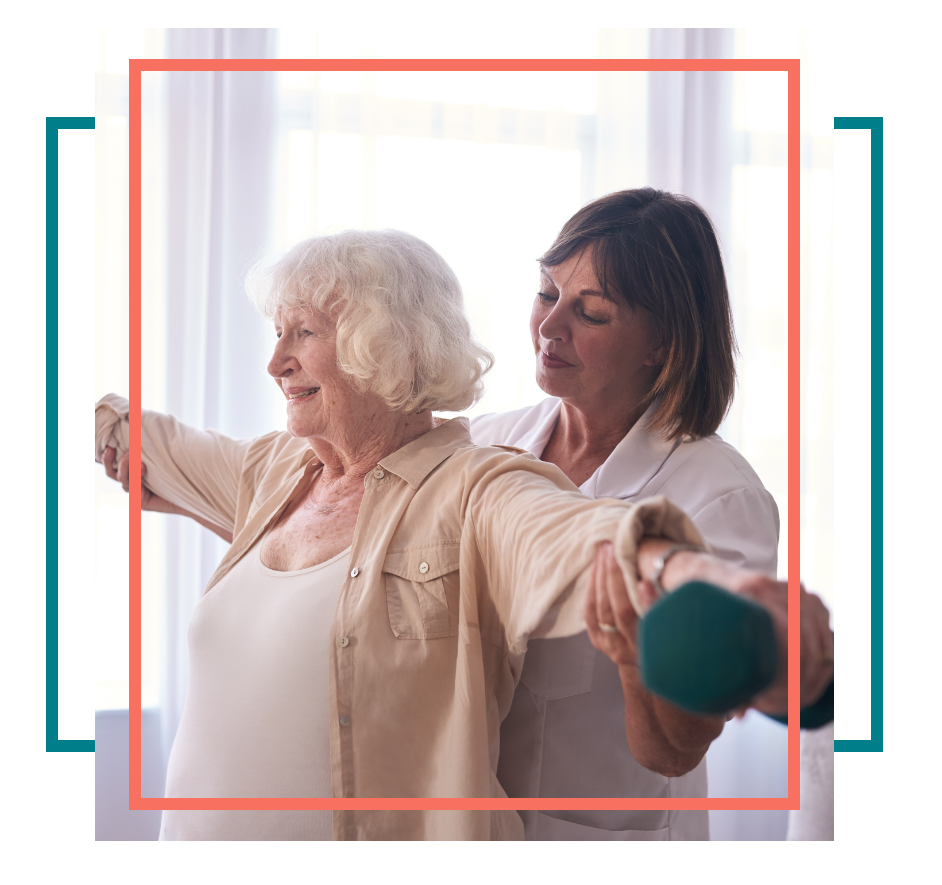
[310,392]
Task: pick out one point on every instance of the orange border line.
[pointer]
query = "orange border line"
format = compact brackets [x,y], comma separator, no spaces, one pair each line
[794,425]
[791,66]
[134,431]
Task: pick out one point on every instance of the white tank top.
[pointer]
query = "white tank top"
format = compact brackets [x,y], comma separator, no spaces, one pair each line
[255,723]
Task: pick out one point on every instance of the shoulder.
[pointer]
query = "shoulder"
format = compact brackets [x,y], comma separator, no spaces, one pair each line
[726,466]
[274,457]
[703,471]
[497,466]
[497,428]
[727,501]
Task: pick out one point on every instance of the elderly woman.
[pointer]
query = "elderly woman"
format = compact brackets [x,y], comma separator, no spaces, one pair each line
[364,633]
[633,337]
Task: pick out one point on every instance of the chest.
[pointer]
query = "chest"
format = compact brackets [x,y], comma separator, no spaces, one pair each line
[309,534]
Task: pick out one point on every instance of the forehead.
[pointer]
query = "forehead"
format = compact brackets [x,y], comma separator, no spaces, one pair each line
[576,274]
[288,315]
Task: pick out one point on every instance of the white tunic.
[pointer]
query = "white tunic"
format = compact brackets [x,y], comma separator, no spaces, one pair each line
[255,722]
[565,733]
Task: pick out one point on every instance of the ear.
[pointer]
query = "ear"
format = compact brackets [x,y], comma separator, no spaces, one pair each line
[657,356]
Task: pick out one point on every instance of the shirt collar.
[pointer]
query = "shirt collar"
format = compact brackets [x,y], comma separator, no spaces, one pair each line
[633,463]
[417,459]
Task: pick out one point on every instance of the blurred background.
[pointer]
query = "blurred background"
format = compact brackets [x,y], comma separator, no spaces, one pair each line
[486,167]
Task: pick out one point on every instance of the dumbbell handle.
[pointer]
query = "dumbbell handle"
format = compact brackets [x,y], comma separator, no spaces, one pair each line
[709,651]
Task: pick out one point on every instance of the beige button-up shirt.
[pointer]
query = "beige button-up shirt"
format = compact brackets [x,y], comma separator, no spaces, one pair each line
[461,554]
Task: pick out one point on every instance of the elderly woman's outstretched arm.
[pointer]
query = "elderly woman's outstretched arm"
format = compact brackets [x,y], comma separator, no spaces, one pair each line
[190,472]
[120,471]
[540,545]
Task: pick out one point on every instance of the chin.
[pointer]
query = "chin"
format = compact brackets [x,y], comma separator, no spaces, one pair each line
[297,428]
[548,387]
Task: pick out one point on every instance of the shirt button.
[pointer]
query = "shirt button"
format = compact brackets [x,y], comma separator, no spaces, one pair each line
[344,642]
[344,721]
[354,572]
[378,473]
[423,567]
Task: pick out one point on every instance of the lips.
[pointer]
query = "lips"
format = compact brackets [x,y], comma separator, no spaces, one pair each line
[300,393]
[551,361]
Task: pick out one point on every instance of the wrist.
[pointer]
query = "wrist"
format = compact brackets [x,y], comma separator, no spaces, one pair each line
[684,566]
[659,558]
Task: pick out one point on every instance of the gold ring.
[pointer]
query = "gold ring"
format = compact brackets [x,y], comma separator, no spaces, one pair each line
[608,628]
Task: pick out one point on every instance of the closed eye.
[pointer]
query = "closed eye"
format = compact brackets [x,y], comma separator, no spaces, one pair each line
[548,298]
[302,332]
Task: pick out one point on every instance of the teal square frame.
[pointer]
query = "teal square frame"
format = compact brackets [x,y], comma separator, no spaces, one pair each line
[53,743]
[875,743]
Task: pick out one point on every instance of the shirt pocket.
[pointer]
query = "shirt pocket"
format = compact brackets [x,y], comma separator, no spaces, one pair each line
[422,591]
[559,668]
[551,829]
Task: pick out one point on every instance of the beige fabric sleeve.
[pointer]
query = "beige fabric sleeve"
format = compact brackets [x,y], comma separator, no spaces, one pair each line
[111,426]
[537,536]
[198,470]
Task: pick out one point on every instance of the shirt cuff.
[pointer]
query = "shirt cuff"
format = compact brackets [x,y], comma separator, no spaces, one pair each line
[111,426]
[656,518]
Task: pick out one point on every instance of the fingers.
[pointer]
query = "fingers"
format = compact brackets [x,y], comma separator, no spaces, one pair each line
[817,648]
[591,619]
[603,606]
[107,461]
[124,471]
[610,619]
[647,595]
[618,604]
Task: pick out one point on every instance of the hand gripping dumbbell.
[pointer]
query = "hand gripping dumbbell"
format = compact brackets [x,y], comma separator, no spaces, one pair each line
[709,651]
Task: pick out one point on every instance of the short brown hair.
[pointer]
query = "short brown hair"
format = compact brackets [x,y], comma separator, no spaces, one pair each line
[659,252]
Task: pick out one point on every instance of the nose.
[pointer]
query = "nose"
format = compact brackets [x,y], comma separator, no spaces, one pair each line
[282,361]
[553,326]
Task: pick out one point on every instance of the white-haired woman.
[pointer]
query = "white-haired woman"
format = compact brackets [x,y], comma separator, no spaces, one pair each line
[363,635]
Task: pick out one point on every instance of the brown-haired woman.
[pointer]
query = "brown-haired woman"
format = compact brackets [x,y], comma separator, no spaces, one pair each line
[634,344]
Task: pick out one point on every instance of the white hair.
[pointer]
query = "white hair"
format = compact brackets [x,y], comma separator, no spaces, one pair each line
[402,331]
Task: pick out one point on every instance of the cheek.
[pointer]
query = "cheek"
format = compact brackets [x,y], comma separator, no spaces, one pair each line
[537,315]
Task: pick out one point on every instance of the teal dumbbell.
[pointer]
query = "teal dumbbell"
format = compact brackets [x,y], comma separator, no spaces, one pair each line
[709,651]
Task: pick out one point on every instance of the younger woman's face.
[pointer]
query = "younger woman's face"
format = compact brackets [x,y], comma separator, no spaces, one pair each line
[592,350]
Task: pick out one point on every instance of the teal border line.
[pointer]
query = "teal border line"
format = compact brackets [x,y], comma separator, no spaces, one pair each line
[875,744]
[53,744]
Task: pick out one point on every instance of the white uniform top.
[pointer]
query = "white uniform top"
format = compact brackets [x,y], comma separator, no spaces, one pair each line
[565,732]
[255,722]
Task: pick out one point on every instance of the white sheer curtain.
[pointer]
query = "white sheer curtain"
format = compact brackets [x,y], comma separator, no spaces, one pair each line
[691,151]
[486,168]
[208,152]
[220,133]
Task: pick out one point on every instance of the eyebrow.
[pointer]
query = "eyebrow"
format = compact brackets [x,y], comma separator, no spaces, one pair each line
[596,292]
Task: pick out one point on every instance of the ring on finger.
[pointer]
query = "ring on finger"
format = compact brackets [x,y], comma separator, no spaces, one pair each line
[608,628]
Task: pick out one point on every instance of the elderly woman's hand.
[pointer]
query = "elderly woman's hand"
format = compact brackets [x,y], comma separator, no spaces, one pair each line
[120,471]
[817,638]
[817,644]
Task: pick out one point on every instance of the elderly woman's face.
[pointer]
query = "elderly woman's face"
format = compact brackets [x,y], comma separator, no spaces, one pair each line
[321,400]
[592,351]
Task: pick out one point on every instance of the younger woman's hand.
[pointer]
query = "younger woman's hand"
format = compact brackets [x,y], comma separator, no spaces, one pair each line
[611,619]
